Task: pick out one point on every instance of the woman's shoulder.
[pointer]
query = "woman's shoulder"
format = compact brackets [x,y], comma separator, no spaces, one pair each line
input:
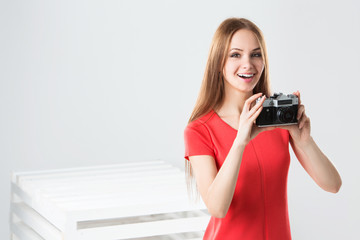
[202,121]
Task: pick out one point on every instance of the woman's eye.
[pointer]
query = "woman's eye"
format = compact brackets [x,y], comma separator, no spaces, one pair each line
[236,55]
[256,54]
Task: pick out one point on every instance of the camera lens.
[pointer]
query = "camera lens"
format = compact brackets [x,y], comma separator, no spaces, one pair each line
[285,115]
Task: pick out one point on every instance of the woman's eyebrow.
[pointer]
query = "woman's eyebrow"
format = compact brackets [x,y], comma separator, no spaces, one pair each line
[238,49]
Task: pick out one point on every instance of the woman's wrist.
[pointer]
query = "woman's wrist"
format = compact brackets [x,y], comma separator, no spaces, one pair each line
[239,143]
[306,143]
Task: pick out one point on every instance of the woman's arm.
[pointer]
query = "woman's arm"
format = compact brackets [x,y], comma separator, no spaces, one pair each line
[313,160]
[217,187]
[317,165]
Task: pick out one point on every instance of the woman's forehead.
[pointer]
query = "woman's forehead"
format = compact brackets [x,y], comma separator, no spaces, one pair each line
[244,39]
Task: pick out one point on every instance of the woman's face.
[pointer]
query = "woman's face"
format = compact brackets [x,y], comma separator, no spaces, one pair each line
[244,64]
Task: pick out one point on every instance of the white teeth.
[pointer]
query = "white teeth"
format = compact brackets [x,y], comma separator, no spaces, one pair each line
[246,75]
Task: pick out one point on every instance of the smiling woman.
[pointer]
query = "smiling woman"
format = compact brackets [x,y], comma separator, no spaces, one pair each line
[212,90]
[244,62]
[241,169]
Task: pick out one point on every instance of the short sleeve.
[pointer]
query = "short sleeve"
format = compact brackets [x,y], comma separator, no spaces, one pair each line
[197,141]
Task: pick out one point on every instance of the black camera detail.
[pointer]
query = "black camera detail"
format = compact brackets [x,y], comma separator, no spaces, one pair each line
[278,109]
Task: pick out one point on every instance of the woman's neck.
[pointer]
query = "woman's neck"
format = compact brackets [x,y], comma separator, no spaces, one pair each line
[233,102]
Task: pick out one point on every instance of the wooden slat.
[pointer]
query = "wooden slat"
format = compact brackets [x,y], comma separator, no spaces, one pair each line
[34,220]
[147,229]
[45,208]
[151,200]
[124,177]
[129,210]
[113,191]
[140,219]
[92,182]
[130,182]
[74,172]
[23,232]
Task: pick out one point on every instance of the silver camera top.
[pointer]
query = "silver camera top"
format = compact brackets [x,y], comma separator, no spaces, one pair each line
[280,100]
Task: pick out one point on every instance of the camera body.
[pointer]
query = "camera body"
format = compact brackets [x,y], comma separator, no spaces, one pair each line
[278,109]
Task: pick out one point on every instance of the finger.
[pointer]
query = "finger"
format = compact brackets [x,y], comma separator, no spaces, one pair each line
[250,100]
[256,106]
[300,112]
[297,93]
[256,114]
[303,121]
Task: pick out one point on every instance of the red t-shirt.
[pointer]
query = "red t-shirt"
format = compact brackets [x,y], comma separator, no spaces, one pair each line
[259,207]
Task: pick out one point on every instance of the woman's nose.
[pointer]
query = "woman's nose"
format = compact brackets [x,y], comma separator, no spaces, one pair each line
[246,62]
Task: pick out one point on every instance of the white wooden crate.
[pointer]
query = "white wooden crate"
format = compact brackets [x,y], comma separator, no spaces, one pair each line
[144,200]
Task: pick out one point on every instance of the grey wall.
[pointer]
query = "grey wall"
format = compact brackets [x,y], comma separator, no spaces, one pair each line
[99,82]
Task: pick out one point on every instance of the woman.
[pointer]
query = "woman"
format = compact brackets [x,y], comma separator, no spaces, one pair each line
[241,169]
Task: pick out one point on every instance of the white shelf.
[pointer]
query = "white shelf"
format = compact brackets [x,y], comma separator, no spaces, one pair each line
[123,201]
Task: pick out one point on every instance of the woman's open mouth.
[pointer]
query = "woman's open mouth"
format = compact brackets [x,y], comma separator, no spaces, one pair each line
[247,77]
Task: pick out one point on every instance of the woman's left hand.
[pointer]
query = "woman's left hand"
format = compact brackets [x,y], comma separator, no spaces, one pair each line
[300,132]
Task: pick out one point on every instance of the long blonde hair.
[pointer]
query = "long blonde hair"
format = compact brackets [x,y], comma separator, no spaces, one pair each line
[212,90]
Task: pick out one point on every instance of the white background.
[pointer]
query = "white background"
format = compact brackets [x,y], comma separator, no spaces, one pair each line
[101,82]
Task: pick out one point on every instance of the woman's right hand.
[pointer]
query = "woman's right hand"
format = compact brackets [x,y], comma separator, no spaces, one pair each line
[247,129]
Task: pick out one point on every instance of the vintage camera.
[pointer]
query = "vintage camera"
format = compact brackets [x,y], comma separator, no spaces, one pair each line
[278,109]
